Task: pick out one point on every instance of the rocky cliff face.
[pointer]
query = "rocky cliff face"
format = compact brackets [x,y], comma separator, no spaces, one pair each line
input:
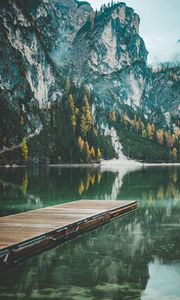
[161,100]
[33,35]
[110,56]
[45,42]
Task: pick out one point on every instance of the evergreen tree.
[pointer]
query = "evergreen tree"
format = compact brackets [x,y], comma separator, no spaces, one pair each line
[88,152]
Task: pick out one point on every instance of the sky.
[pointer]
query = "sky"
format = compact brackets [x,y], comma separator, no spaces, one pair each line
[160,26]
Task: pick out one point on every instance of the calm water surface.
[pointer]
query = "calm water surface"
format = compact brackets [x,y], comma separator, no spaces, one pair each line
[134,257]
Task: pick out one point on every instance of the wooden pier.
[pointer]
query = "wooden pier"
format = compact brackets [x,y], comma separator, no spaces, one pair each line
[25,234]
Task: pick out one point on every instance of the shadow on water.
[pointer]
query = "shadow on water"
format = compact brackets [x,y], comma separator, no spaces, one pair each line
[134,257]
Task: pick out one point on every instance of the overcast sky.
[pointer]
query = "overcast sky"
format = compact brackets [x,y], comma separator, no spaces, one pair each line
[160,26]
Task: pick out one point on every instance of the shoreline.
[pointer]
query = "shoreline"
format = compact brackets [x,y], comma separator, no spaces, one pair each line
[133,163]
[105,163]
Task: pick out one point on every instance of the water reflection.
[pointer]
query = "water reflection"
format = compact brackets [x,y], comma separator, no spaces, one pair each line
[111,262]
[135,257]
[152,184]
[22,189]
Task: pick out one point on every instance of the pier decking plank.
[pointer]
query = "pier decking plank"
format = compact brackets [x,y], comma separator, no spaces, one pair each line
[38,228]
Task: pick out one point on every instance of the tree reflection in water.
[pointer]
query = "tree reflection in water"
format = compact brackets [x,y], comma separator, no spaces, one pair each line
[111,262]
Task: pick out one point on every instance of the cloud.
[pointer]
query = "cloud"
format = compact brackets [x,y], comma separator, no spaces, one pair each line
[163,49]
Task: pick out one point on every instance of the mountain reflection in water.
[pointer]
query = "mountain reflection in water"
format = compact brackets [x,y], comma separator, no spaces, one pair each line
[134,257]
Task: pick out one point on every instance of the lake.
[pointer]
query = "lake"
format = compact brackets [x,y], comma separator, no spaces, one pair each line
[134,257]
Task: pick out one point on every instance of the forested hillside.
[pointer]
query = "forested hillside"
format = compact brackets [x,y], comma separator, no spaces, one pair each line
[68,74]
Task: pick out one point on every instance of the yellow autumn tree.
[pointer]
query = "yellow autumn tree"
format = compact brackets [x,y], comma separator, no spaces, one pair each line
[83,125]
[150,132]
[144,133]
[86,106]
[112,116]
[160,136]
[73,111]
[25,149]
[99,153]
[93,178]
[174,152]
[81,188]
[99,178]
[93,154]
[173,137]
[71,102]
[132,124]
[25,183]
[169,139]
[137,124]
[87,120]
[81,143]
[153,128]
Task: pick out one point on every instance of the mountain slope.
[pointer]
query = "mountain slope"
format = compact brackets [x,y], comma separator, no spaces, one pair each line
[110,56]
[30,36]
[161,103]
[65,69]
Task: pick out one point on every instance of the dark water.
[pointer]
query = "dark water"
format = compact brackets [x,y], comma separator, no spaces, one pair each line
[134,257]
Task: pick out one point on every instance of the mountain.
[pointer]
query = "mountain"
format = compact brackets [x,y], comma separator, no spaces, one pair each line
[68,74]
[30,33]
[161,104]
[110,56]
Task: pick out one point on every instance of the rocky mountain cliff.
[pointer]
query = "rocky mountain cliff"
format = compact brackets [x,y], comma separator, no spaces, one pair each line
[110,56]
[161,103]
[32,34]
[45,43]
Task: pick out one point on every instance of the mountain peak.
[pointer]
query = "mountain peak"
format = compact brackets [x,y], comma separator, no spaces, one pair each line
[115,11]
[81,3]
[53,47]
[108,42]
